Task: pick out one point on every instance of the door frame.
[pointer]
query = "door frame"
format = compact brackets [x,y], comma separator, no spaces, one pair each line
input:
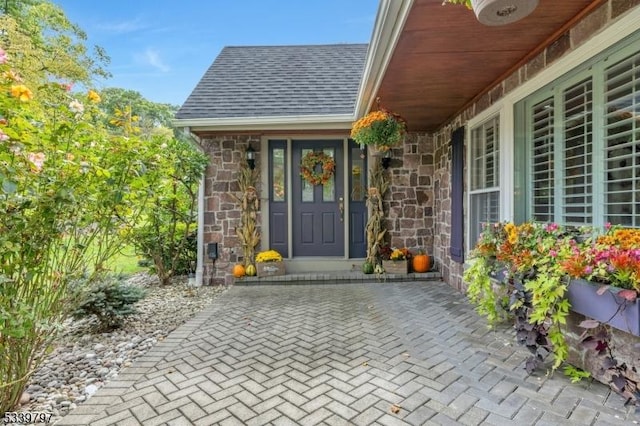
[264,191]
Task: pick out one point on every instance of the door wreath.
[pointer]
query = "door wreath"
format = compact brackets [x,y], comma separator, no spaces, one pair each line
[308,167]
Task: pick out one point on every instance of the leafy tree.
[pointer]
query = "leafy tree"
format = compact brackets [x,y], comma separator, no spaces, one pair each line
[165,233]
[46,46]
[130,107]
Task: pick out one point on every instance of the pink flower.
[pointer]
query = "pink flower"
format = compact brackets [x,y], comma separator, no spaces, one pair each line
[3,56]
[553,253]
[3,136]
[607,226]
[37,160]
[550,227]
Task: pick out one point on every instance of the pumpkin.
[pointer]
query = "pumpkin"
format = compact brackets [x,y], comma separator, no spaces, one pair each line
[238,271]
[420,262]
[250,270]
[367,268]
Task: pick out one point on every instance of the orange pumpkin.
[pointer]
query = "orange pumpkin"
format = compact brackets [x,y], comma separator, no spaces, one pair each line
[420,262]
[238,271]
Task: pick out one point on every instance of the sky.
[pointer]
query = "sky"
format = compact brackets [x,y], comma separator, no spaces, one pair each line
[162,48]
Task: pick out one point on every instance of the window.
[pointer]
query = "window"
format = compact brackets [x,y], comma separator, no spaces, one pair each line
[577,157]
[582,145]
[622,142]
[484,193]
[278,173]
[542,153]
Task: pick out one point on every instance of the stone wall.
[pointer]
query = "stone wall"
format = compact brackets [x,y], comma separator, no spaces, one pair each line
[410,200]
[222,211]
[598,20]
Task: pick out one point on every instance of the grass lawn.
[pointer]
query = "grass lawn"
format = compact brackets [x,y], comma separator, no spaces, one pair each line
[125,262]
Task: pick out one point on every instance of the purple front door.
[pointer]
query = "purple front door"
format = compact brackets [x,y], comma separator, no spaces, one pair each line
[318,210]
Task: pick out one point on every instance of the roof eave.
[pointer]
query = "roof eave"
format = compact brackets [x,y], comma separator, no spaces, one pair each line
[285,122]
[387,29]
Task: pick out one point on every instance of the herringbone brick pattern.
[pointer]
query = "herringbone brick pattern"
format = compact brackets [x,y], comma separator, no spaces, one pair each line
[353,354]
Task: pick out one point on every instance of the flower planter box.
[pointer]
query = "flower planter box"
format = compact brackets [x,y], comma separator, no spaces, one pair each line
[608,308]
[396,266]
[270,269]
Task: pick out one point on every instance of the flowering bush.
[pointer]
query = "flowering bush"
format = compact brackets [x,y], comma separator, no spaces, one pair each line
[613,258]
[522,249]
[268,256]
[70,189]
[380,128]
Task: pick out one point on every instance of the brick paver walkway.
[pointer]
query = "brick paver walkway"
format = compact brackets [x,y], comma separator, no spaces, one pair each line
[343,354]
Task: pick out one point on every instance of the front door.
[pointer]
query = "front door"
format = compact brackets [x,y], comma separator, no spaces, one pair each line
[318,210]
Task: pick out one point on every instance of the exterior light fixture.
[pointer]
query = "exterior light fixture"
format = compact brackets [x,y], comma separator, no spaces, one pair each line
[250,155]
[502,12]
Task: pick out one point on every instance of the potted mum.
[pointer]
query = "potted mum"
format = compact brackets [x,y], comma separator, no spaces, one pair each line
[269,264]
[397,261]
[381,129]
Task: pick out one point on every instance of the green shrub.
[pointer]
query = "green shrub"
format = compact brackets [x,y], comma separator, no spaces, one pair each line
[108,298]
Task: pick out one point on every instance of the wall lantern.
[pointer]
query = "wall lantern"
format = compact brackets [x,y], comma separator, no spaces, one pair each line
[250,155]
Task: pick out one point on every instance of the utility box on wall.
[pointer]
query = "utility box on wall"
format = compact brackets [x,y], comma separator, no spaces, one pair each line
[212,251]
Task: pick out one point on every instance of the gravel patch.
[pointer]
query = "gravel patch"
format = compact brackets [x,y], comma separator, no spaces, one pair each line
[83,360]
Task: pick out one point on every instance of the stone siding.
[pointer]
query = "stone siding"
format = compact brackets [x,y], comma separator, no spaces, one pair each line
[222,210]
[410,200]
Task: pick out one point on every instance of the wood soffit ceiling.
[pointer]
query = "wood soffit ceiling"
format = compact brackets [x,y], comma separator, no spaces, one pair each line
[444,57]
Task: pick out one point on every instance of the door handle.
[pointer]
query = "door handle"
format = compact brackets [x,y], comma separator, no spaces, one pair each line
[341,208]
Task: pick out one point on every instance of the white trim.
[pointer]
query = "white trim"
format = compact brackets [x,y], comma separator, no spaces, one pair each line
[507,153]
[200,235]
[200,252]
[288,122]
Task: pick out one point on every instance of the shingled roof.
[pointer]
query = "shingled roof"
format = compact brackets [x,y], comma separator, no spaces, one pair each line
[272,81]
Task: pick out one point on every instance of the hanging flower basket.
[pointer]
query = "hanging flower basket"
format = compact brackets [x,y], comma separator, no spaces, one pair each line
[308,168]
[381,129]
